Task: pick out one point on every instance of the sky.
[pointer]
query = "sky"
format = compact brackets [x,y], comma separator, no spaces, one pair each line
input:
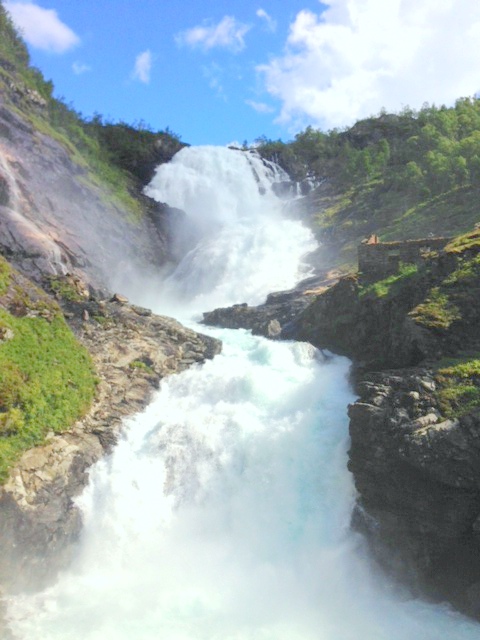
[223,71]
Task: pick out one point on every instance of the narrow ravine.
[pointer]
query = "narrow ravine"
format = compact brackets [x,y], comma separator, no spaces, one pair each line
[223,513]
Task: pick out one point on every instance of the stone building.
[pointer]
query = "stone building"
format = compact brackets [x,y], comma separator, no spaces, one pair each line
[377,260]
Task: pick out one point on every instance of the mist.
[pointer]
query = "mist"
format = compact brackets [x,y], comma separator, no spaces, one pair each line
[224,511]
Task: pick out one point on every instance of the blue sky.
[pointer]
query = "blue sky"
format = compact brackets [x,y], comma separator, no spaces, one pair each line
[218,71]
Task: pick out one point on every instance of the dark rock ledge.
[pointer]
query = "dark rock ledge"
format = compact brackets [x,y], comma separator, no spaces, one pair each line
[276,317]
[418,481]
[417,473]
[133,349]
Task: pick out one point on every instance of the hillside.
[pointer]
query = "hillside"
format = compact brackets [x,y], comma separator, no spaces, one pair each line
[399,176]
[75,359]
[71,189]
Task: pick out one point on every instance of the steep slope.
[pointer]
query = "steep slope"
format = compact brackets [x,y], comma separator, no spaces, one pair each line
[400,176]
[70,196]
[415,430]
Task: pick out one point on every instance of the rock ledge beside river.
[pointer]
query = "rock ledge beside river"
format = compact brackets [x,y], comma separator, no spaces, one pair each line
[415,429]
[132,349]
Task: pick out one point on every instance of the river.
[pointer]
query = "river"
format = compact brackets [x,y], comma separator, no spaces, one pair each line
[223,512]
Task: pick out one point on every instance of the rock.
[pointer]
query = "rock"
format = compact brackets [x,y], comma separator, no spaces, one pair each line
[39,521]
[55,220]
[117,297]
[6,334]
[374,331]
[418,480]
[274,328]
[273,319]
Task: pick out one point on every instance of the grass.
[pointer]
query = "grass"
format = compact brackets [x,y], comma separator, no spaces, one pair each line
[467,272]
[64,289]
[392,284]
[465,242]
[459,385]
[371,207]
[447,214]
[4,276]
[47,379]
[140,365]
[437,312]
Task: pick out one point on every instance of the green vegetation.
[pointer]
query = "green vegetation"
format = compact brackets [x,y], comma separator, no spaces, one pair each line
[459,386]
[142,366]
[47,379]
[60,286]
[392,284]
[437,312]
[455,298]
[4,276]
[400,175]
[47,383]
[465,242]
[118,157]
[134,149]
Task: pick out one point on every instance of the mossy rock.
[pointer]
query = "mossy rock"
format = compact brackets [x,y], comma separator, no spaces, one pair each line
[47,379]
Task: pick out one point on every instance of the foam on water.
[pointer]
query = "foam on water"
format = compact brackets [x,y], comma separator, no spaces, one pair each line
[235,244]
[223,513]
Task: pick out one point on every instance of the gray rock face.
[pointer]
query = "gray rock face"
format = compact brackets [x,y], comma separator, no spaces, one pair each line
[133,350]
[275,317]
[55,219]
[378,333]
[418,479]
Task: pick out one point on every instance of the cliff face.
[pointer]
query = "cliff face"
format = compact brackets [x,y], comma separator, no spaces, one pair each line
[418,480]
[415,429]
[54,219]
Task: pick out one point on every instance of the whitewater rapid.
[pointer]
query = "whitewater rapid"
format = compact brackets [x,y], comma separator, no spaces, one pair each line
[223,512]
[236,245]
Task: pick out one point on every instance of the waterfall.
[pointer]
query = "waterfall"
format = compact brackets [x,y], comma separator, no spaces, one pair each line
[223,512]
[235,244]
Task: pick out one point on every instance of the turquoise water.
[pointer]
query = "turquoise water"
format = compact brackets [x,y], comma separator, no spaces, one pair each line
[223,514]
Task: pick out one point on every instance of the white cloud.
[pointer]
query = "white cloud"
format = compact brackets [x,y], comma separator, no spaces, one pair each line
[260,107]
[214,74]
[143,67]
[79,68]
[361,55]
[227,34]
[270,22]
[42,28]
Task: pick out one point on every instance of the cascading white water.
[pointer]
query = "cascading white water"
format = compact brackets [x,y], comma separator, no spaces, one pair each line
[239,245]
[223,514]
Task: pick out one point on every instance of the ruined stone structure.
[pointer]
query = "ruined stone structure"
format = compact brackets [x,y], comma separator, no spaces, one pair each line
[377,260]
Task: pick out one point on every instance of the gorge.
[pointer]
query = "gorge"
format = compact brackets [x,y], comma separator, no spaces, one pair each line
[224,510]
[164,478]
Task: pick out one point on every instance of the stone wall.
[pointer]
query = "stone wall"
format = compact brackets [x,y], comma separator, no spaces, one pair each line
[379,260]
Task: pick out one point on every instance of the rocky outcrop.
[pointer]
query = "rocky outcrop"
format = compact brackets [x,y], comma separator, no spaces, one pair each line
[275,318]
[417,471]
[376,332]
[133,350]
[418,480]
[56,218]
